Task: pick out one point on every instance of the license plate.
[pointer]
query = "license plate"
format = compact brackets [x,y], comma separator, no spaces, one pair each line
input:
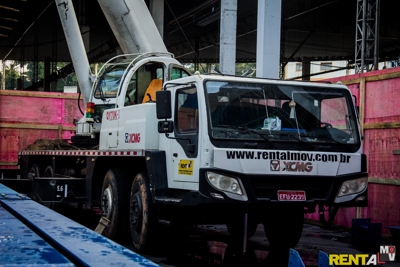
[291,195]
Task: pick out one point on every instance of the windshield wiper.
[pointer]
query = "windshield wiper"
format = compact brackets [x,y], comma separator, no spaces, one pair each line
[333,140]
[343,145]
[245,129]
[298,139]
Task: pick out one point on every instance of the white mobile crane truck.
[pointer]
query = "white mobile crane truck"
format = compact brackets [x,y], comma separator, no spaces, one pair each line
[158,144]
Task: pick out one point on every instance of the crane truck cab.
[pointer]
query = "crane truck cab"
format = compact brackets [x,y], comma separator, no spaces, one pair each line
[270,149]
[125,80]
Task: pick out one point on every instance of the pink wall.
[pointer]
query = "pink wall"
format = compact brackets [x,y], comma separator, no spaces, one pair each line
[381,123]
[28,116]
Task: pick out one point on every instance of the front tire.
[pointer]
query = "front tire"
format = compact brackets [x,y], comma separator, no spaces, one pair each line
[142,217]
[114,203]
[284,228]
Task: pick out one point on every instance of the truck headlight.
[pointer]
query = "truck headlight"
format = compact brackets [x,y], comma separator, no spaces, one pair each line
[353,186]
[224,183]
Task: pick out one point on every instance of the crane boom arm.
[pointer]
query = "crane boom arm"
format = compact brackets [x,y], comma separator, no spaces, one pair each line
[133,26]
[76,47]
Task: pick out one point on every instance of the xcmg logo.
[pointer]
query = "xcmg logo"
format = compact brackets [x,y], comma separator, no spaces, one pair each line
[290,166]
[132,137]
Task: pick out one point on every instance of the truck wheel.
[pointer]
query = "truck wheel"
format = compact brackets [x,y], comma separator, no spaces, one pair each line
[235,226]
[284,229]
[141,212]
[114,203]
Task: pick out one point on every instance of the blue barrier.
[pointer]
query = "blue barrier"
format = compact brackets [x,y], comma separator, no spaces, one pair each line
[296,261]
[33,235]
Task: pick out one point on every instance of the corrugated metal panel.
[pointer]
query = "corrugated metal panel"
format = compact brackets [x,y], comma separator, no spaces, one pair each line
[380,119]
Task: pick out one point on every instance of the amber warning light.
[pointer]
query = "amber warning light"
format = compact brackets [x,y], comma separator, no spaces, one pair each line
[89,111]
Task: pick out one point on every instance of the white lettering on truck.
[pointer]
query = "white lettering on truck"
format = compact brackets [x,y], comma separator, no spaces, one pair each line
[287,156]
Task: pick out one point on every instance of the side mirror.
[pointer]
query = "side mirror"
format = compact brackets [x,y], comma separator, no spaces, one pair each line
[163,104]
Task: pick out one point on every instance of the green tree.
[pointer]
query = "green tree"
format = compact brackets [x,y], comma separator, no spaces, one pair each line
[11,75]
[242,68]
[30,71]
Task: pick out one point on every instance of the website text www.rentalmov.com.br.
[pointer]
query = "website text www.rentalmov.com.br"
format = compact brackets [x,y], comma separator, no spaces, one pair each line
[288,155]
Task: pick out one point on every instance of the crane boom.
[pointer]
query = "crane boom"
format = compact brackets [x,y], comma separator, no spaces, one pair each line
[76,47]
[133,26]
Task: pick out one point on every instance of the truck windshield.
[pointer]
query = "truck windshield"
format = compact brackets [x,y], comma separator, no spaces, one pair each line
[110,79]
[281,112]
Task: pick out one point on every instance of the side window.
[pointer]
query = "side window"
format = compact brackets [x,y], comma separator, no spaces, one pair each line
[149,80]
[108,84]
[177,73]
[131,92]
[187,110]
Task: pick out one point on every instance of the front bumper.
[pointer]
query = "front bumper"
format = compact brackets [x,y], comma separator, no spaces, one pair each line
[264,188]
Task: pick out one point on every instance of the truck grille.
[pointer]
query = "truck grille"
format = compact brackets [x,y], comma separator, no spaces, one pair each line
[267,187]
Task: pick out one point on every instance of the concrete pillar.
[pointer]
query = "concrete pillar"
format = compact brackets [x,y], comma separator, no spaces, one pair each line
[306,69]
[268,38]
[227,50]
[157,12]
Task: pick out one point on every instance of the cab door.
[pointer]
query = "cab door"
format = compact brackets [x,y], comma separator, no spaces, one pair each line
[185,146]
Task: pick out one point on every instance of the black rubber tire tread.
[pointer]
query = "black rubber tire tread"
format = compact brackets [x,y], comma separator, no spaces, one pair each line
[284,228]
[142,217]
[119,222]
[235,227]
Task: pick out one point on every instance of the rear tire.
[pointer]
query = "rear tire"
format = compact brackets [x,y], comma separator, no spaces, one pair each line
[284,229]
[114,204]
[141,213]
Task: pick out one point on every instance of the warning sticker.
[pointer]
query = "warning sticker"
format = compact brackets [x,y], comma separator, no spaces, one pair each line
[185,167]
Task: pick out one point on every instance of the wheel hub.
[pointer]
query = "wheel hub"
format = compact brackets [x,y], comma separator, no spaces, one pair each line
[107,203]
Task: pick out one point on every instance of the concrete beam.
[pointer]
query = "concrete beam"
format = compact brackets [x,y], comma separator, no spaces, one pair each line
[268,38]
[227,52]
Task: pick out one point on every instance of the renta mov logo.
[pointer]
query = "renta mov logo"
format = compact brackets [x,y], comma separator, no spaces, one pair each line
[386,253]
